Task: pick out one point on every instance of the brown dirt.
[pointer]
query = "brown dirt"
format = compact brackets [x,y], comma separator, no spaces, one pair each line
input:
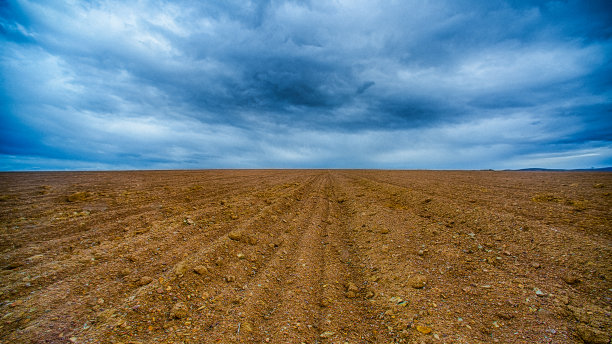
[311,256]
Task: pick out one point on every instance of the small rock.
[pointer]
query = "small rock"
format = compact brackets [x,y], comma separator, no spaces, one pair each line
[189,221]
[369,294]
[423,329]
[179,310]
[418,281]
[421,253]
[229,278]
[535,265]
[144,280]
[539,293]
[200,270]
[241,256]
[327,334]
[396,299]
[384,231]
[235,235]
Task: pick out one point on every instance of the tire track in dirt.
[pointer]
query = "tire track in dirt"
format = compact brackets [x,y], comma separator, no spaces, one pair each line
[347,292]
[298,292]
[277,288]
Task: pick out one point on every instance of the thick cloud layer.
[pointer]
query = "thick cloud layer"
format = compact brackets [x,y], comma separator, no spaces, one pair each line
[284,84]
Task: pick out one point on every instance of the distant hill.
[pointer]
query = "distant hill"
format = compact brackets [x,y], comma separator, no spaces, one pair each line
[602,169]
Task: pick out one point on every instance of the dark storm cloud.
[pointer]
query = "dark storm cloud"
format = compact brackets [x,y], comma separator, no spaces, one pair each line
[197,84]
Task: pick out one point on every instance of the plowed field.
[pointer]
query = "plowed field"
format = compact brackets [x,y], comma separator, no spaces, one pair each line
[312,256]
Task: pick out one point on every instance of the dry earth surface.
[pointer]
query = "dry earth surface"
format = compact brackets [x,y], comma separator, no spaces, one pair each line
[305,256]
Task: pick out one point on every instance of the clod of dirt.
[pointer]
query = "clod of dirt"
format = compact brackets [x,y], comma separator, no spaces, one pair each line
[591,335]
[219,261]
[200,270]
[247,327]
[504,315]
[179,310]
[236,236]
[141,230]
[326,302]
[78,196]
[369,294]
[351,290]
[144,280]
[251,240]
[350,286]
[350,294]
[180,269]
[417,281]
[570,278]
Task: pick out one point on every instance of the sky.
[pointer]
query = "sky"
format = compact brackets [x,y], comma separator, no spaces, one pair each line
[415,84]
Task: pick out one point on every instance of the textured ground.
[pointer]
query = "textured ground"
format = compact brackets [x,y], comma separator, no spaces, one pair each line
[310,256]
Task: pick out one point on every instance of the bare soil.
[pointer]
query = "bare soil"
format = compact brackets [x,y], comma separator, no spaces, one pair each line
[305,256]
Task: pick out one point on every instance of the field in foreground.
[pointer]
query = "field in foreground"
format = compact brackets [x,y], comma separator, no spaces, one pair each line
[313,256]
